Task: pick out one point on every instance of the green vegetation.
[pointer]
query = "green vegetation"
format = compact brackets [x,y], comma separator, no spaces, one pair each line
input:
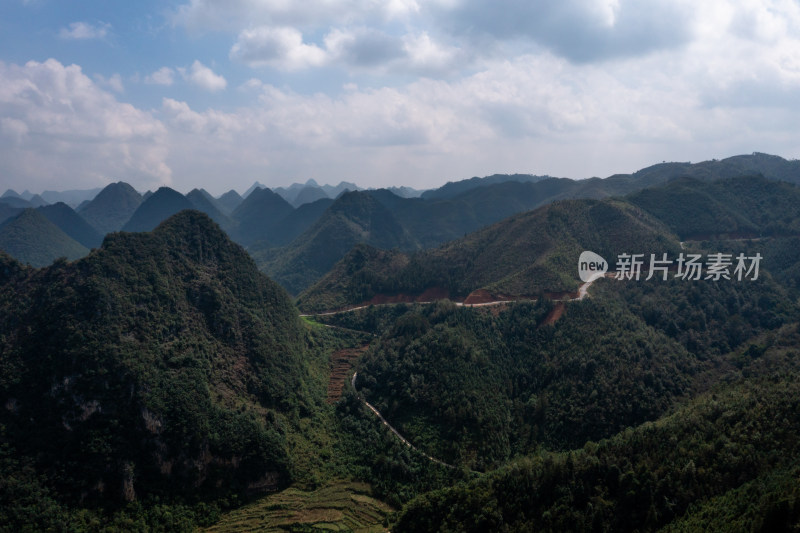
[738,207]
[162,383]
[205,203]
[162,367]
[355,217]
[476,387]
[526,255]
[31,238]
[727,459]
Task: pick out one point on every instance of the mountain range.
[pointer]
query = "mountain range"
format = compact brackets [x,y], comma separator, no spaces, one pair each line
[162,381]
[274,223]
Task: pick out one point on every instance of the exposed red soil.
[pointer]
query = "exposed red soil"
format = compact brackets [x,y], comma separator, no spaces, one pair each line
[341,365]
[480,296]
[553,316]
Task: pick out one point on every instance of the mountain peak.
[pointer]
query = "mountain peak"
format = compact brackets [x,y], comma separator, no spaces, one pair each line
[162,204]
[31,238]
[112,207]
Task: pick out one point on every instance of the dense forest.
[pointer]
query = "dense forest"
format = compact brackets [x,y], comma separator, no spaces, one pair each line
[161,382]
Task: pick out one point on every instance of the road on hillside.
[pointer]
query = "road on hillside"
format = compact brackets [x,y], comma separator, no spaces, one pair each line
[392,429]
[583,292]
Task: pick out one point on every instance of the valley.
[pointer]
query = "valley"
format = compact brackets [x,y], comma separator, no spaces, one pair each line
[320,358]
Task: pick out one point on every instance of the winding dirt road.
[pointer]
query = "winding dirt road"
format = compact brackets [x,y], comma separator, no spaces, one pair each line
[583,292]
[392,429]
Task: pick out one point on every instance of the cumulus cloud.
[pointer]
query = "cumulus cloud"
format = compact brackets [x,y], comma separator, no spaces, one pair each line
[59,127]
[84,31]
[539,112]
[113,82]
[358,49]
[280,47]
[439,90]
[204,77]
[580,30]
[364,47]
[162,76]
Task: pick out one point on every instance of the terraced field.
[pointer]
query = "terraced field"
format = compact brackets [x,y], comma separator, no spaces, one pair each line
[342,363]
[342,506]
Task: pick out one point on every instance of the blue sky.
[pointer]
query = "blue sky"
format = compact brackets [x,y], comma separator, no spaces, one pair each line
[221,93]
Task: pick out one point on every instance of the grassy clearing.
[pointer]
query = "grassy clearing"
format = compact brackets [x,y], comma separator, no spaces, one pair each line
[338,506]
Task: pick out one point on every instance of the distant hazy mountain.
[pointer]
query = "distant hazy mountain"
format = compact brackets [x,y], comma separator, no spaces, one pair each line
[204,202]
[354,218]
[229,201]
[406,192]
[111,208]
[435,221]
[298,221]
[454,188]
[15,201]
[290,193]
[7,211]
[11,193]
[37,201]
[307,195]
[72,224]
[252,188]
[72,198]
[163,203]
[31,238]
[258,215]
[336,191]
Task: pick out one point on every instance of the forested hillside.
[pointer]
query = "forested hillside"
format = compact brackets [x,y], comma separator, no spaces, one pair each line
[535,252]
[162,366]
[163,383]
[725,461]
[526,255]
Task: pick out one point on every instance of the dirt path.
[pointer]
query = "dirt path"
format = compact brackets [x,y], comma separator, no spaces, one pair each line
[393,430]
[342,363]
[583,292]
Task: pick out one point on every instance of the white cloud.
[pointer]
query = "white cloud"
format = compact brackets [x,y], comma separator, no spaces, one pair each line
[534,113]
[280,47]
[66,130]
[84,31]
[428,56]
[114,82]
[357,50]
[162,76]
[212,123]
[204,77]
